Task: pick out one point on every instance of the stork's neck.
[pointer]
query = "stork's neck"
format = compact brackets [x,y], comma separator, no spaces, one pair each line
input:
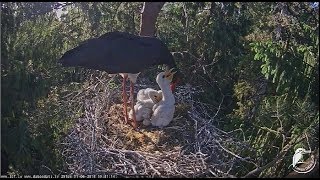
[167,95]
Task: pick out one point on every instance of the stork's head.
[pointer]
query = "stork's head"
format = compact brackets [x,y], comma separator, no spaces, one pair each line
[155,96]
[166,78]
[302,151]
[174,75]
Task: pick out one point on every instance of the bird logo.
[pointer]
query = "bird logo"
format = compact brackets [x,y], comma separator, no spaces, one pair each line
[297,159]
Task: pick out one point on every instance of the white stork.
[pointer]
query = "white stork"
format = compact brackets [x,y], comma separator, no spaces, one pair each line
[163,111]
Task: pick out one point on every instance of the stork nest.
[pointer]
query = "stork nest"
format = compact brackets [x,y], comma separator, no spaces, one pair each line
[190,146]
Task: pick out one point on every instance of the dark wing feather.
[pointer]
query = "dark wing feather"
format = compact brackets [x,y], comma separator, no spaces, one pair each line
[119,52]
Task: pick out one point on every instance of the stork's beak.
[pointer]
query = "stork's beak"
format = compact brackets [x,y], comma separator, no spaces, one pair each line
[169,74]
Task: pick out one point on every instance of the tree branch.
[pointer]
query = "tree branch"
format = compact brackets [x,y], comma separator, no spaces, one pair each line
[279,157]
[149,16]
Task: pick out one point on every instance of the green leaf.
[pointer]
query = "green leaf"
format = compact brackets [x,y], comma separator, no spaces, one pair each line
[257,57]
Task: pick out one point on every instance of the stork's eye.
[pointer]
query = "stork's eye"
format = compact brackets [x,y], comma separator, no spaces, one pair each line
[163,76]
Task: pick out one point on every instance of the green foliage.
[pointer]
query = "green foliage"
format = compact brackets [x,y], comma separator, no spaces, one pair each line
[28,72]
[243,91]
[288,107]
[290,60]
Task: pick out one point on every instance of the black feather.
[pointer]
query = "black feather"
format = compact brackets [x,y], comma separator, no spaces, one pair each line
[119,52]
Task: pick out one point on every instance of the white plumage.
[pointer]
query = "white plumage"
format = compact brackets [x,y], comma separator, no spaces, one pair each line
[298,156]
[146,98]
[143,94]
[163,111]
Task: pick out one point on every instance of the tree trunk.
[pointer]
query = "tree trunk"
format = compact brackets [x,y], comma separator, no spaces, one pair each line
[150,12]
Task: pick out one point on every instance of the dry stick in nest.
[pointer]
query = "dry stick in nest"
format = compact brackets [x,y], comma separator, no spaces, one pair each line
[88,144]
[203,129]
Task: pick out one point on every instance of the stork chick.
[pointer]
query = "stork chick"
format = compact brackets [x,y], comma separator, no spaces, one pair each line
[163,111]
[144,94]
[146,98]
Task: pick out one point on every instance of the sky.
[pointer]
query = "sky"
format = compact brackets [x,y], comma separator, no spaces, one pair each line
[59,12]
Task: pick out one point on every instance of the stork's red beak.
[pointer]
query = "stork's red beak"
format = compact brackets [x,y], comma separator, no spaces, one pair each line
[174,84]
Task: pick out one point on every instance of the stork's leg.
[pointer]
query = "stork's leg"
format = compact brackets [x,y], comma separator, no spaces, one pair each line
[124,97]
[134,124]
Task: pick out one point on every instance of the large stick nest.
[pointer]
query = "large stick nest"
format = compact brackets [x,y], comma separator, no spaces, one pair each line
[190,146]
